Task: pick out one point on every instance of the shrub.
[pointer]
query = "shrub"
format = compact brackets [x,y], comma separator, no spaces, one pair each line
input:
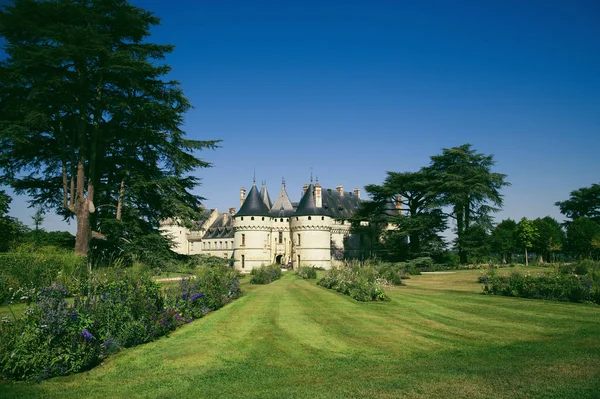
[265,274]
[52,338]
[393,273]
[306,272]
[210,289]
[551,286]
[123,308]
[27,270]
[360,283]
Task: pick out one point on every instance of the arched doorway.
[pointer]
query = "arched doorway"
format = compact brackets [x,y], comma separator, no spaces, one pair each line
[278,259]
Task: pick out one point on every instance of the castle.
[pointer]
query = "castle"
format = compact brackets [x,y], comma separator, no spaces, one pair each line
[313,232]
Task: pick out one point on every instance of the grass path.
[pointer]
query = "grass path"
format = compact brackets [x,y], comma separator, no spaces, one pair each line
[292,339]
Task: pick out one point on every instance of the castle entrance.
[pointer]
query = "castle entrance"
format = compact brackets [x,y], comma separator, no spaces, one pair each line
[278,259]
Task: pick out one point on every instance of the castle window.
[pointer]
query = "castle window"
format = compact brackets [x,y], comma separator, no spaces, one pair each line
[281,220]
[322,217]
[220,244]
[252,218]
[280,237]
[243,239]
[242,218]
[243,261]
[297,218]
[263,218]
[298,239]
[309,218]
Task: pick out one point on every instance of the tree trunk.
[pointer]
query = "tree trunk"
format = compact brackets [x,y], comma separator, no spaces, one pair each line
[460,229]
[82,238]
[120,202]
[526,258]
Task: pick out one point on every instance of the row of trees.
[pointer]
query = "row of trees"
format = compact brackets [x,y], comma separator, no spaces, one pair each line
[90,126]
[458,185]
[13,233]
[460,188]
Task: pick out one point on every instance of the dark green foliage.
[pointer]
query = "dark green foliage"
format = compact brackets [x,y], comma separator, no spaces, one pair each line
[584,203]
[465,182]
[210,289]
[58,239]
[124,308]
[53,338]
[265,274]
[566,285]
[420,224]
[550,239]
[503,240]
[360,283]
[11,229]
[393,273]
[583,238]
[89,124]
[307,272]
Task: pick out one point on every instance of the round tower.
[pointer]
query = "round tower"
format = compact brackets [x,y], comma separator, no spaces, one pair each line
[311,230]
[252,227]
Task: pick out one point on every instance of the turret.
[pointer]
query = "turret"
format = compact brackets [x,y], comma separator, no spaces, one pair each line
[252,225]
[311,230]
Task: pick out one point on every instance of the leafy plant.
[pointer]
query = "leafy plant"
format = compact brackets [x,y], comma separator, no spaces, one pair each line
[306,272]
[265,274]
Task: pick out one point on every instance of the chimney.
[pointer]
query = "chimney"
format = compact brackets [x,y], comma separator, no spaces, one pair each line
[242,196]
[225,218]
[232,211]
[398,204]
[318,196]
[357,193]
[340,189]
[304,189]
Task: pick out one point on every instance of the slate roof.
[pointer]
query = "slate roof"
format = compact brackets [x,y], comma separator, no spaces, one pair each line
[204,214]
[220,228]
[264,194]
[334,205]
[282,207]
[307,204]
[253,205]
[340,206]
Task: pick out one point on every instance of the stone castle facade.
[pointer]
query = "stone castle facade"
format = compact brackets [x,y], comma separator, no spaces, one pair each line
[315,231]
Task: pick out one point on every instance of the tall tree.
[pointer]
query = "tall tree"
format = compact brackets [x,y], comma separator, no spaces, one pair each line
[550,238]
[88,124]
[527,234]
[584,202]
[420,219]
[583,236]
[11,229]
[466,183]
[504,239]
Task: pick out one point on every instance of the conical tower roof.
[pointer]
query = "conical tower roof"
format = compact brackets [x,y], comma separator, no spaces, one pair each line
[264,194]
[307,204]
[253,205]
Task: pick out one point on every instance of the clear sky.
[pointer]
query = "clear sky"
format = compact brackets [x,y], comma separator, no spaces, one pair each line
[353,89]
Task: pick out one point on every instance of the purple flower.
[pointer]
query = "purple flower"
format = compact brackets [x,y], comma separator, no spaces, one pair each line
[86,334]
[196,296]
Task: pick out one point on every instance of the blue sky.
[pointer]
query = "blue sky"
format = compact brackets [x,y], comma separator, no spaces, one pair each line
[354,89]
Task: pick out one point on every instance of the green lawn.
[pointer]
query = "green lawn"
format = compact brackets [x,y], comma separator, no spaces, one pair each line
[436,337]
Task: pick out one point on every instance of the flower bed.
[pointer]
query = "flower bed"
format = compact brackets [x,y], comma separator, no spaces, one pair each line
[57,338]
[360,283]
